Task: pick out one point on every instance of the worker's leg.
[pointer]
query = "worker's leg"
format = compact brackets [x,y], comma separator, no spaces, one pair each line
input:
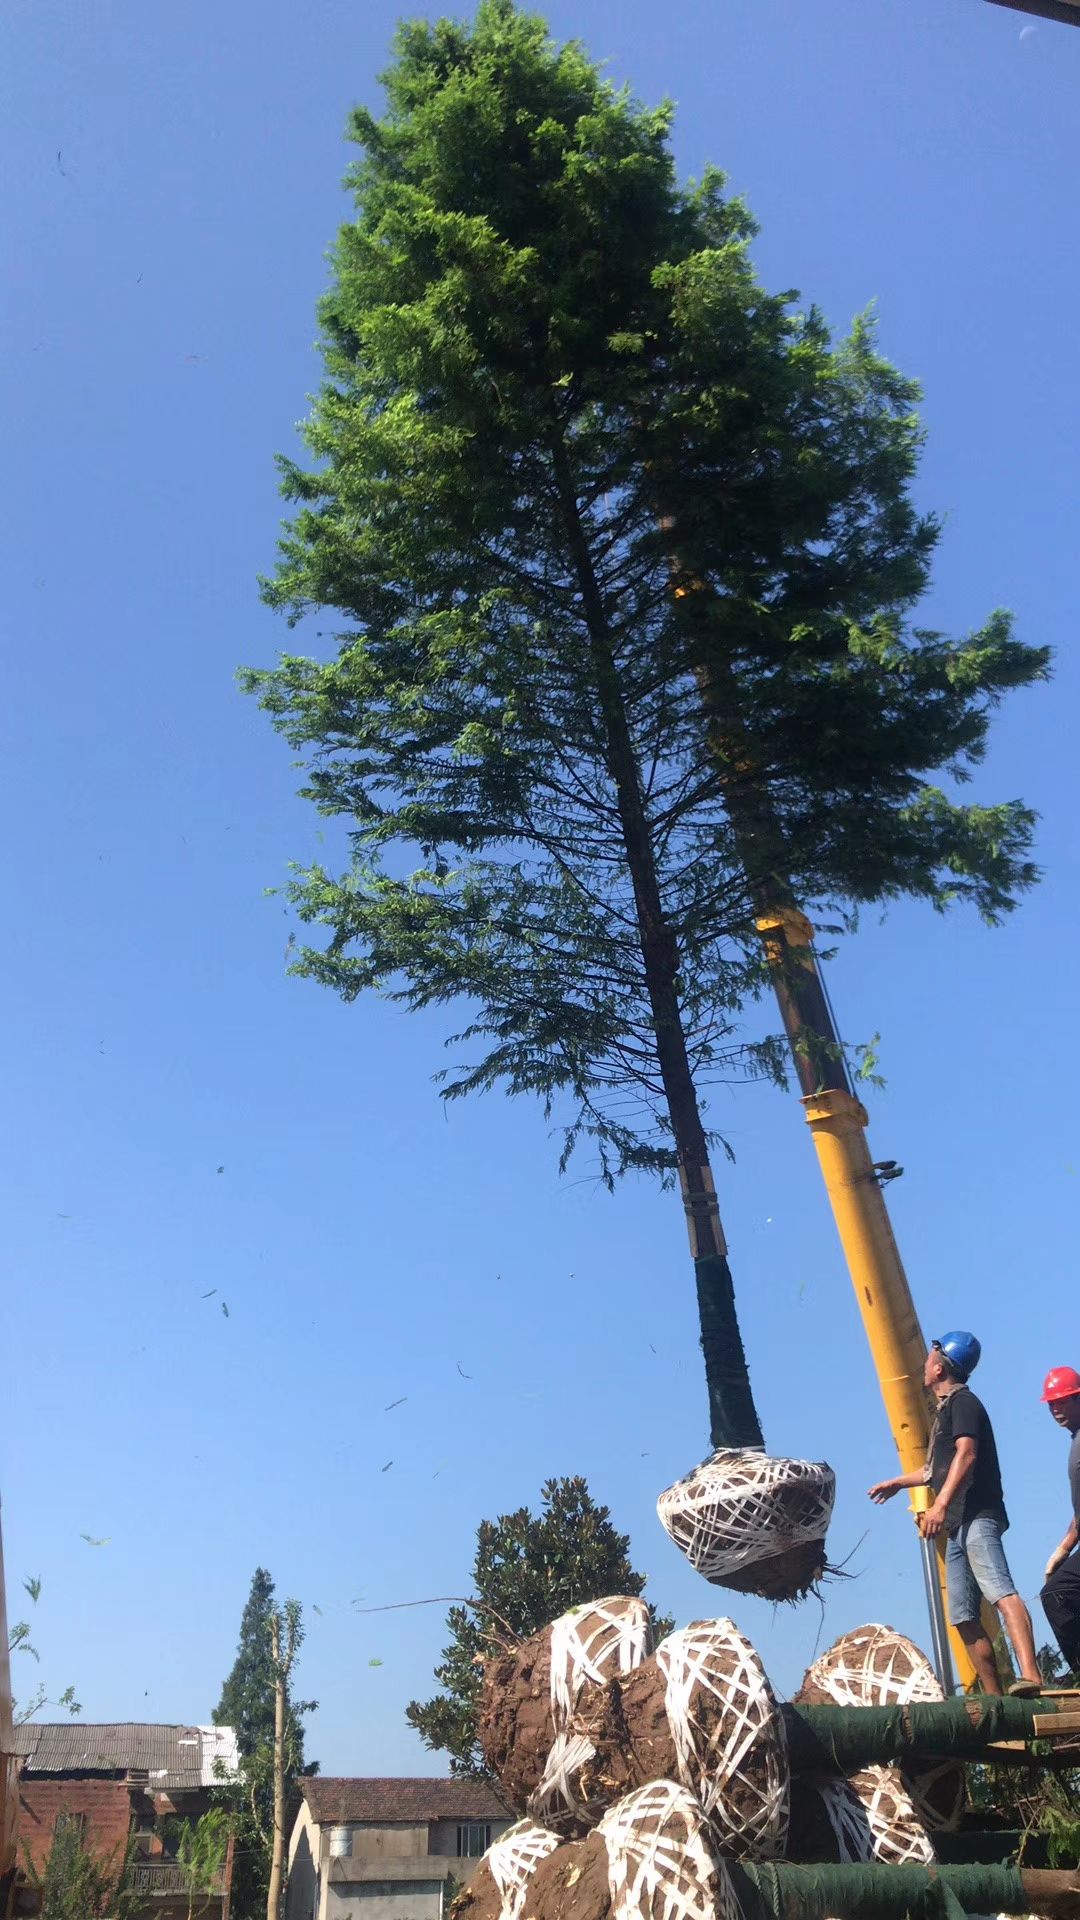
[986,1558]
[978,1644]
[1020,1631]
[1061,1604]
[965,1605]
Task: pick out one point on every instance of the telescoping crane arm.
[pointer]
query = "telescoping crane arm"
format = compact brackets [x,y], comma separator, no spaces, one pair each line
[853,1181]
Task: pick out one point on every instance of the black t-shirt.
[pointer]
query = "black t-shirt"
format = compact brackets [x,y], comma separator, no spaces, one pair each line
[1074,1475]
[960,1415]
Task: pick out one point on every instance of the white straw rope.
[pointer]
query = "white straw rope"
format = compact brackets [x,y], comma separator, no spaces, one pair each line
[710,1666]
[873,1819]
[727,1513]
[513,1859]
[873,1666]
[660,1865]
[590,1645]
[594,1643]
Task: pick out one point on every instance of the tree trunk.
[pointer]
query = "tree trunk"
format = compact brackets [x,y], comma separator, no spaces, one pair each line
[277,1855]
[816,1049]
[733,1417]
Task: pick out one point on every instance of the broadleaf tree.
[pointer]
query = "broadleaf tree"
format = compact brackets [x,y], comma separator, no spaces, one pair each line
[78,1882]
[528,1569]
[625,556]
[21,1640]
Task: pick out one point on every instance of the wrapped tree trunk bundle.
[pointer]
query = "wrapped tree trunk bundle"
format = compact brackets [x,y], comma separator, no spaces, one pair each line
[532,1691]
[753,1523]
[874,1666]
[700,1712]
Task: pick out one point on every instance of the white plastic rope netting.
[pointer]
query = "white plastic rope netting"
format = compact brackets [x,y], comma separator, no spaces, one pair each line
[589,1646]
[730,1739]
[873,1818]
[660,1862]
[741,1506]
[594,1643]
[557,1798]
[513,1859]
[874,1666]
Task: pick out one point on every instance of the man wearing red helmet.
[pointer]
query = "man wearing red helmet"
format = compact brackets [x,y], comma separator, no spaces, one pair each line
[969,1508]
[1061,1595]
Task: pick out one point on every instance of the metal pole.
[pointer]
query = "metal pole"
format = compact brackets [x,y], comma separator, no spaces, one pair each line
[939,1632]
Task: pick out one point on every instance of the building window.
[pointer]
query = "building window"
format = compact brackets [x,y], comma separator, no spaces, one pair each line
[389,1889]
[473,1839]
[67,1822]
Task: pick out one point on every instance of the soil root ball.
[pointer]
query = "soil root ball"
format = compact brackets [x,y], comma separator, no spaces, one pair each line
[874,1666]
[531,1691]
[500,1885]
[701,1712]
[868,1817]
[650,1859]
[753,1523]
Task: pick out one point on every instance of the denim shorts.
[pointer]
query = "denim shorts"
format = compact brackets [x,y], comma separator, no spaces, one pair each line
[976,1567]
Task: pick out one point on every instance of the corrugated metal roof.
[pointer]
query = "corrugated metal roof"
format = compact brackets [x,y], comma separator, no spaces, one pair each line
[170,1757]
[392,1799]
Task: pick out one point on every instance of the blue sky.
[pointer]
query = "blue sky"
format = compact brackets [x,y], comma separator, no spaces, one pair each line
[182,1117]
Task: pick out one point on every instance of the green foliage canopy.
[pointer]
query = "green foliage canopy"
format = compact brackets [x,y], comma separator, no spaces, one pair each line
[529,1568]
[247,1704]
[554,389]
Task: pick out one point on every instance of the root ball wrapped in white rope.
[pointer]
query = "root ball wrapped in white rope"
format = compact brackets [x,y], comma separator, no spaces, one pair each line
[868,1817]
[874,1666]
[651,1858]
[532,1691]
[700,1712]
[751,1522]
[500,1885]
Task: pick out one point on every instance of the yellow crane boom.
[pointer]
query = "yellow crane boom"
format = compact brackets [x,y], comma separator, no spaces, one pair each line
[853,1182]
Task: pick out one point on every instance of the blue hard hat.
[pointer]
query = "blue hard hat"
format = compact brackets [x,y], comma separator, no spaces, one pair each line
[961,1350]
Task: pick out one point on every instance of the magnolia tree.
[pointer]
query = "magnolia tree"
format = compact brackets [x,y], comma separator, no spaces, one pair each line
[528,1569]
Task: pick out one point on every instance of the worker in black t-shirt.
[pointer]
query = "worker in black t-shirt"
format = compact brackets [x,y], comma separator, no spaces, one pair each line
[1061,1595]
[962,1467]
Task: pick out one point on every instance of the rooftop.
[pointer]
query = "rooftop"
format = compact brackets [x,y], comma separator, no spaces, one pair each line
[172,1758]
[392,1800]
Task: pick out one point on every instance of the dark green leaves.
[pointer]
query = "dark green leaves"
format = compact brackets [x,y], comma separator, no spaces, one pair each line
[529,1568]
[555,389]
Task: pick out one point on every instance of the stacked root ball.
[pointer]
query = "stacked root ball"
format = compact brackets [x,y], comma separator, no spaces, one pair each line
[637,1772]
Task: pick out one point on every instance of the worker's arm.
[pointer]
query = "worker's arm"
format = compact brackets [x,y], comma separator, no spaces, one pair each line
[960,1472]
[884,1489]
[1063,1551]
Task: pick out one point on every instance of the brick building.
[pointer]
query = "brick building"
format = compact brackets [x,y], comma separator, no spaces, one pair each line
[387,1848]
[124,1782]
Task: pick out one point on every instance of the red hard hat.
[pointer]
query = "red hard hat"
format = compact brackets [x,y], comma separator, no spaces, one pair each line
[1061,1383]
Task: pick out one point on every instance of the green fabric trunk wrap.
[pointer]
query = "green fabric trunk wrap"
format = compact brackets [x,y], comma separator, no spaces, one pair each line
[733,1420]
[783,1892]
[841,1739]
